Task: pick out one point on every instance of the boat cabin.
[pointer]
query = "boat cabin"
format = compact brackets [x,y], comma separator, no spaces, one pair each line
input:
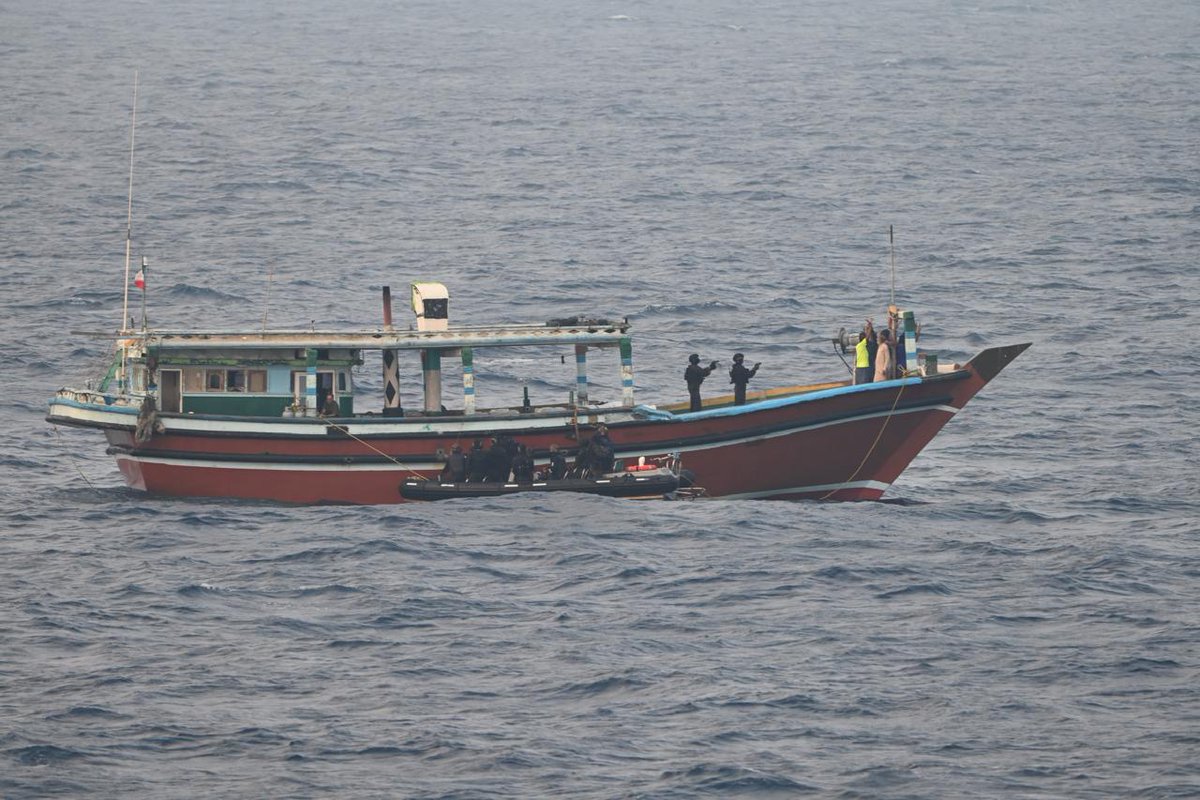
[292,373]
[254,383]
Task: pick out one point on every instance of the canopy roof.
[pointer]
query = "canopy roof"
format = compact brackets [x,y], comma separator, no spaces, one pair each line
[380,339]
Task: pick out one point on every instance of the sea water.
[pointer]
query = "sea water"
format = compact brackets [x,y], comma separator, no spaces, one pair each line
[1020,619]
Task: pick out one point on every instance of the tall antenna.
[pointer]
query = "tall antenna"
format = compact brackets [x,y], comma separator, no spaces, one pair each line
[129,209]
[267,300]
[892,243]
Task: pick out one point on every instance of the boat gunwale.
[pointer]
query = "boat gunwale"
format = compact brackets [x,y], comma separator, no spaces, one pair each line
[588,417]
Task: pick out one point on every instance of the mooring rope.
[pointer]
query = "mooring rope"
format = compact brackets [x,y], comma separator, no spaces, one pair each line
[874,444]
[74,460]
[367,444]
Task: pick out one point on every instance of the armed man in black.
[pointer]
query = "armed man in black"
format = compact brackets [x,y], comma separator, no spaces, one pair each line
[739,376]
[695,375]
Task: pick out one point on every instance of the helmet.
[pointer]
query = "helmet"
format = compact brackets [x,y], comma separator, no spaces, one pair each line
[694,358]
[738,356]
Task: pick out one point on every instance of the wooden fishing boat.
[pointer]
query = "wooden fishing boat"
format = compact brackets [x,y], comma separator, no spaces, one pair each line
[236,414]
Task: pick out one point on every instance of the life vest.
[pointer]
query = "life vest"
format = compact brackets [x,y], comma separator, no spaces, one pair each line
[862,358]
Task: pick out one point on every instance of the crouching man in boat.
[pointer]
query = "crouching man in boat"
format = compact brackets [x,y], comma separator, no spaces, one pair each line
[477,462]
[602,446]
[596,456]
[498,462]
[522,465]
[455,470]
[556,470]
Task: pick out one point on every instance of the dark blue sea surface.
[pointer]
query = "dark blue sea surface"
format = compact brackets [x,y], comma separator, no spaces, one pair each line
[1020,618]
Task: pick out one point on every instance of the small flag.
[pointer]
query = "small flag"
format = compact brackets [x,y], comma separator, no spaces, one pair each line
[139,280]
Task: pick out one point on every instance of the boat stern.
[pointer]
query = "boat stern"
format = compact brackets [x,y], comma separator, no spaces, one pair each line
[85,408]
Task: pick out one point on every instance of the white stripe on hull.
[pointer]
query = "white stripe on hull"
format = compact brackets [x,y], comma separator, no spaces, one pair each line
[317,430]
[823,488]
[275,466]
[805,428]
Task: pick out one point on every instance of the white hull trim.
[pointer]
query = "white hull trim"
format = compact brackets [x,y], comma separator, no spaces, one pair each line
[824,487]
[198,463]
[951,410]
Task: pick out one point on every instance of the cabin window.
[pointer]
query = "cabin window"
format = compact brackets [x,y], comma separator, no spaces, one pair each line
[341,381]
[193,380]
[235,380]
[216,380]
[256,380]
[139,379]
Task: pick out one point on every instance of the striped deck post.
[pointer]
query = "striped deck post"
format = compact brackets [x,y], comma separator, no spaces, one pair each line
[581,388]
[310,383]
[910,339]
[626,346]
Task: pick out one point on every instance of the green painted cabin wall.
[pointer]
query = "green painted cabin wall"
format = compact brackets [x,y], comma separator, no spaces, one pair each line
[254,405]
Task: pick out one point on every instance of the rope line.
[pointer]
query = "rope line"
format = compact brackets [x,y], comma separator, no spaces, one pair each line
[368,445]
[74,459]
[874,444]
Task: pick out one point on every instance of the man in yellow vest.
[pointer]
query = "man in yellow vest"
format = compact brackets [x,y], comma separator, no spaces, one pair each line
[864,355]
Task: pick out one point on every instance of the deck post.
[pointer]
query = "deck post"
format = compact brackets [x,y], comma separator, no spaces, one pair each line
[310,383]
[391,365]
[626,346]
[391,385]
[468,372]
[581,382]
[431,369]
[910,340]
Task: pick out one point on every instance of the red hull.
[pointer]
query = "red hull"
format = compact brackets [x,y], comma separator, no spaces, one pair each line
[846,444]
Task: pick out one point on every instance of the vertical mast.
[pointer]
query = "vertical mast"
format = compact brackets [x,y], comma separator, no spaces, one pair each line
[892,244]
[129,209]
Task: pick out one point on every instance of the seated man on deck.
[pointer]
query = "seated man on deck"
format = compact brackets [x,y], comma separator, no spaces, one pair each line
[331,407]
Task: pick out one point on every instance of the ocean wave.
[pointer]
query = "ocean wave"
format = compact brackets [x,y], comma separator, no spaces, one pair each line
[613,684]
[186,291]
[725,781]
[42,755]
[916,589]
[86,713]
